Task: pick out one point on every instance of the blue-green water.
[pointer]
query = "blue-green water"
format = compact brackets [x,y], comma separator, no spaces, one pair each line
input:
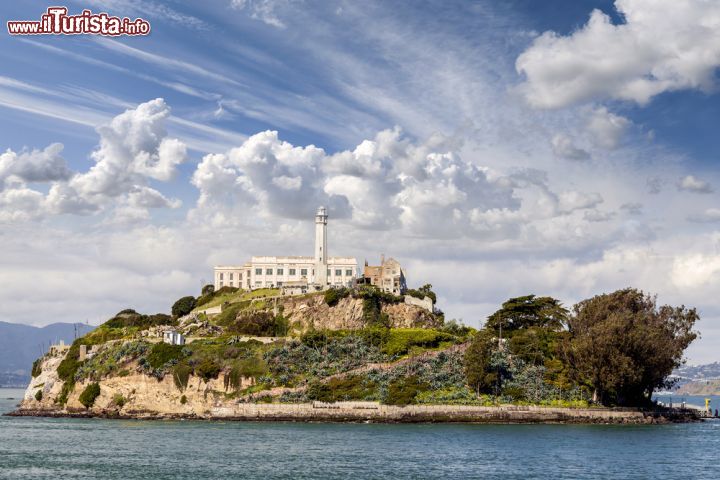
[117,449]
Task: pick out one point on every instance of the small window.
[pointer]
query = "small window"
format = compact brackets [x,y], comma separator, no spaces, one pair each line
[221,284]
[231,277]
[221,276]
[268,271]
[258,271]
[348,273]
[279,271]
[338,273]
[328,272]
[291,271]
[303,272]
[257,284]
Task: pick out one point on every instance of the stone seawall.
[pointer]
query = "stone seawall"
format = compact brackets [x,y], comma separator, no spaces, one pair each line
[375,413]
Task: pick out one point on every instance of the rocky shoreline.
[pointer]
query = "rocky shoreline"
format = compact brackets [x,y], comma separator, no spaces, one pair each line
[372,412]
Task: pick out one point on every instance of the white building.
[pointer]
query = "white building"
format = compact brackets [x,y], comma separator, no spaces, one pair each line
[316,272]
[173,337]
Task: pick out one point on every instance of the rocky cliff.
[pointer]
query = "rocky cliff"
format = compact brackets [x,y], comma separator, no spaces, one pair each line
[311,311]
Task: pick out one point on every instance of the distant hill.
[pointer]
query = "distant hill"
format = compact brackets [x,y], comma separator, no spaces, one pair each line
[699,372]
[20,345]
[698,379]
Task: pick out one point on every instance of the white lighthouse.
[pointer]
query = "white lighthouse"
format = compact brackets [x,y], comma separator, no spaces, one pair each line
[293,274]
[321,258]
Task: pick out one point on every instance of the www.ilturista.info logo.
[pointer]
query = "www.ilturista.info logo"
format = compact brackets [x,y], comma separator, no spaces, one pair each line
[57,22]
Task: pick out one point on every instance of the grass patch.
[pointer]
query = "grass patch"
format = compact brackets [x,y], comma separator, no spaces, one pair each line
[162,353]
[400,341]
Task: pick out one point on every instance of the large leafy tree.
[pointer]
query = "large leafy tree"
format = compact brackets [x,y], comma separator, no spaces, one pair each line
[485,363]
[529,311]
[624,346]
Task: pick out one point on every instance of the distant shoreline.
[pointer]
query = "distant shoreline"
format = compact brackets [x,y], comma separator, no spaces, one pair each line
[370,412]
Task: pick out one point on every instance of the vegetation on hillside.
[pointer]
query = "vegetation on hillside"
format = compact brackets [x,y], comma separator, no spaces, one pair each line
[614,349]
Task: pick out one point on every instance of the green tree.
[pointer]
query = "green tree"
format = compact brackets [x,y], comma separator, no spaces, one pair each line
[484,364]
[624,346]
[422,292]
[529,311]
[208,289]
[183,306]
[88,396]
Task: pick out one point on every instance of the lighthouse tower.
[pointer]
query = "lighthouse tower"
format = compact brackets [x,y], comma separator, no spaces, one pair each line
[321,258]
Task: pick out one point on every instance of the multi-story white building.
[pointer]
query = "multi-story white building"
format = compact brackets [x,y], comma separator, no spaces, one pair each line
[304,273]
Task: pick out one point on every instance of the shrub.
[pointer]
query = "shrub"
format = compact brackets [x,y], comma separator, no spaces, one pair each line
[183,400]
[352,387]
[208,369]
[229,314]
[334,295]
[403,391]
[183,306]
[225,290]
[124,372]
[130,318]
[37,367]
[90,394]
[252,367]
[181,374]
[38,395]
[208,289]
[422,292]
[70,364]
[162,353]
[261,324]
[119,400]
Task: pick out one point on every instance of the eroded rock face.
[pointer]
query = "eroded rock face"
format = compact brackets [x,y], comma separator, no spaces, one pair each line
[47,382]
[143,393]
[133,394]
[312,312]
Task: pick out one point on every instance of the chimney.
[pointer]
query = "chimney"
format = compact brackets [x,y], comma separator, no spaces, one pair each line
[382,259]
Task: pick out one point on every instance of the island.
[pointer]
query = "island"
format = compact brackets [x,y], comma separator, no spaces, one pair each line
[361,354]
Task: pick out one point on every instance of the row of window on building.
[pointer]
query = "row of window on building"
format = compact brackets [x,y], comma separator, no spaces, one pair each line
[291,272]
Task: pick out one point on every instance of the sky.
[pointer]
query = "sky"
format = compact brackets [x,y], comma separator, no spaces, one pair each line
[496,149]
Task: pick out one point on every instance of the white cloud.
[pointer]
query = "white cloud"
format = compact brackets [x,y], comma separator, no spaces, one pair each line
[695,270]
[35,166]
[564,147]
[663,45]
[384,183]
[710,215]
[134,149]
[693,184]
[573,200]
[606,129]
[263,10]
[20,204]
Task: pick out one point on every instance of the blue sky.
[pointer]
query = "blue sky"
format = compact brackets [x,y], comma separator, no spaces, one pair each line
[522,146]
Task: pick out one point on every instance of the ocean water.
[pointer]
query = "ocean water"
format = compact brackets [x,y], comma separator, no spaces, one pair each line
[41,448]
